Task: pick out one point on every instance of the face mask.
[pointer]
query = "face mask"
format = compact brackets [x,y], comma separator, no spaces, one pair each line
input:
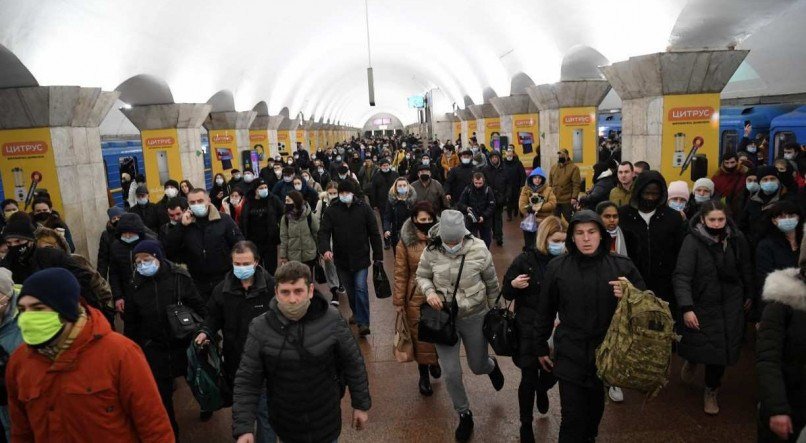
[342,176]
[338,159]
[647,205]
[147,268]
[288,178]
[716,232]
[173,222]
[474,149]
[142,201]
[789,156]
[171,192]
[248,178]
[561,160]
[510,157]
[294,312]
[243,272]
[787,224]
[234,201]
[677,206]
[320,170]
[465,161]
[752,186]
[751,149]
[39,327]
[408,157]
[236,176]
[384,168]
[130,240]
[731,169]
[298,187]
[41,217]
[701,198]
[19,252]
[219,181]
[289,207]
[199,209]
[296,155]
[424,227]
[263,192]
[347,199]
[556,249]
[402,190]
[290,161]
[769,187]
[425,177]
[453,249]
[426,161]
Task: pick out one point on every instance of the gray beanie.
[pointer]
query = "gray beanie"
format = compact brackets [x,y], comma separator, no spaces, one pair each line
[452,226]
[704,183]
[6,283]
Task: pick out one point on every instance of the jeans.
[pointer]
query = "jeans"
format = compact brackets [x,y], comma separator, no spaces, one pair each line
[483,232]
[265,434]
[355,283]
[582,410]
[469,331]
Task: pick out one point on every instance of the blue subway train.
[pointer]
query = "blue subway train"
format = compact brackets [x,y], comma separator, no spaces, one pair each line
[732,120]
[786,128]
[609,123]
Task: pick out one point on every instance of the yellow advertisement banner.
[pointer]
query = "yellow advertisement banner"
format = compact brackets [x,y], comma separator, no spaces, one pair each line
[301,139]
[161,160]
[578,135]
[690,146]
[283,140]
[259,142]
[27,163]
[224,151]
[472,127]
[526,137]
[492,129]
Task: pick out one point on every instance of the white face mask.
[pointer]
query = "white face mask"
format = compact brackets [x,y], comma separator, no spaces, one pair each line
[219,181]
[248,178]
[298,187]
[171,192]
[453,249]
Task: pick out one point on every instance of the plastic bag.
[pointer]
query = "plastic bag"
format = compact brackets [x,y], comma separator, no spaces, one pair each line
[529,224]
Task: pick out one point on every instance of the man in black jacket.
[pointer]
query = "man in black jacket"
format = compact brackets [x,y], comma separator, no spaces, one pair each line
[582,287]
[204,239]
[174,207]
[477,203]
[303,352]
[655,234]
[497,178]
[148,212]
[107,237]
[382,182]
[244,295]
[351,225]
[129,231]
[260,224]
[515,178]
[459,177]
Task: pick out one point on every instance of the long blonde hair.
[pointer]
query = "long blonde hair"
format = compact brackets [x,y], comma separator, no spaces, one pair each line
[393,190]
[548,227]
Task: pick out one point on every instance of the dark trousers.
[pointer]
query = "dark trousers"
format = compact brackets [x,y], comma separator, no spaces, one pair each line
[713,376]
[582,409]
[166,388]
[565,210]
[512,202]
[532,381]
[498,223]
[483,232]
[529,239]
[268,258]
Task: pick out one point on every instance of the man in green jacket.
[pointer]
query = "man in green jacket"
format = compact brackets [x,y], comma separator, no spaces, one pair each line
[621,194]
[566,182]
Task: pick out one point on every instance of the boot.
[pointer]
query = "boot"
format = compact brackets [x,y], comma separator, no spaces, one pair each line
[435,370]
[425,382]
[688,372]
[542,401]
[710,404]
[527,434]
[334,299]
[496,377]
[465,428]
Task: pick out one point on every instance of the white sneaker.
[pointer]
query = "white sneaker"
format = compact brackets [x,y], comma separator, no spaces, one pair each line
[615,394]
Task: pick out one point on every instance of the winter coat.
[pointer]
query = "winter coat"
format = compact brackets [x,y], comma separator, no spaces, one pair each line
[781,348]
[621,196]
[100,389]
[104,247]
[497,180]
[121,267]
[231,309]
[305,366]
[713,279]
[206,244]
[352,229]
[260,220]
[549,201]
[323,179]
[729,185]
[298,236]
[478,284]
[532,263]
[458,179]
[379,188]
[585,305]
[480,201]
[448,161]
[655,251]
[396,212]
[772,254]
[146,317]
[751,220]
[151,215]
[365,176]
[514,174]
[406,293]
[599,193]
[565,180]
[432,192]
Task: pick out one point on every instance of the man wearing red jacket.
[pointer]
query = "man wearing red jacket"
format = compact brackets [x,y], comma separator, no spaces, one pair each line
[75,380]
[729,180]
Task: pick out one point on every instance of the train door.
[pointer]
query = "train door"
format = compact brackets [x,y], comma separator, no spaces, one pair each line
[782,138]
[128,165]
[729,142]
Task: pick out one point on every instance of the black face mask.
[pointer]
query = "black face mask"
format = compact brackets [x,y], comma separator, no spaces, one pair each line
[41,217]
[561,160]
[289,207]
[716,232]
[423,227]
[645,205]
[424,178]
[730,169]
[20,253]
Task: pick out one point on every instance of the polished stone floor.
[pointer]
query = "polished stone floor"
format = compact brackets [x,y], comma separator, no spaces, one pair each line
[401,414]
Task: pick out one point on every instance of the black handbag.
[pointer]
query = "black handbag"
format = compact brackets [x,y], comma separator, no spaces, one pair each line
[381,282]
[439,326]
[183,320]
[319,273]
[499,330]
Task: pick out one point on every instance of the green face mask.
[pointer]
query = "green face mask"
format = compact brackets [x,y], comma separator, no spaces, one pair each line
[39,327]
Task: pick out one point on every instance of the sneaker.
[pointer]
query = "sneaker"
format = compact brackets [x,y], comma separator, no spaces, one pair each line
[465,428]
[363,330]
[335,300]
[435,370]
[615,394]
[542,401]
[688,372]
[710,404]
[496,377]
[527,434]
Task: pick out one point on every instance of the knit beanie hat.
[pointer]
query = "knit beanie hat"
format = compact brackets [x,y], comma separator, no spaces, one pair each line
[761,172]
[679,189]
[6,283]
[704,183]
[115,211]
[57,288]
[452,226]
[173,183]
[152,247]
[19,225]
[141,190]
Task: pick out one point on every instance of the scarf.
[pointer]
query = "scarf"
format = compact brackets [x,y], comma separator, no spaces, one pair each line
[617,243]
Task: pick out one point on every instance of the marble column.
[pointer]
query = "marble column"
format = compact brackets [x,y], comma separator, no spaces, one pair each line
[237,121]
[443,127]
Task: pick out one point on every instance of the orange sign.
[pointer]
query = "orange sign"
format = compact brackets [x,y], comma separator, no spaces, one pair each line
[222,138]
[577,119]
[691,114]
[494,124]
[522,123]
[257,137]
[160,142]
[21,149]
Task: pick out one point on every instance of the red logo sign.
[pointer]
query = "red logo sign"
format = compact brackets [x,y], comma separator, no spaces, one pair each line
[584,119]
[493,125]
[222,138]
[690,113]
[257,137]
[159,142]
[527,122]
[21,149]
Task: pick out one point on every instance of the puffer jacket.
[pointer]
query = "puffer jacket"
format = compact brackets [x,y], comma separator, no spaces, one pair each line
[298,236]
[565,180]
[545,191]
[305,366]
[713,279]
[438,270]
[781,350]
[406,293]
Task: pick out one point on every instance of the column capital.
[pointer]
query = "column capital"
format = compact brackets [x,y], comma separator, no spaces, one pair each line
[465,115]
[514,104]
[230,120]
[483,111]
[54,106]
[568,94]
[173,115]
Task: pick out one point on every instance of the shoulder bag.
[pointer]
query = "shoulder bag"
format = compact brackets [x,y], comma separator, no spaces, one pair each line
[439,326]
[183,320]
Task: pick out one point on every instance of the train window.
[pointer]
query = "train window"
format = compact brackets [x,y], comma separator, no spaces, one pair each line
[129,166]
[782,138]
[730,141]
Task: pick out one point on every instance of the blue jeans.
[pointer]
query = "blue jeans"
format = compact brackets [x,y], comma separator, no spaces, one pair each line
[355,283]
[265,434]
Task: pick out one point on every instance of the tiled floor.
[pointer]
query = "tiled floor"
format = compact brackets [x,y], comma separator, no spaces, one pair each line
[401,414]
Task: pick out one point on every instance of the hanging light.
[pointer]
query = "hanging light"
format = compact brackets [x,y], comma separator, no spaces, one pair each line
[370,78]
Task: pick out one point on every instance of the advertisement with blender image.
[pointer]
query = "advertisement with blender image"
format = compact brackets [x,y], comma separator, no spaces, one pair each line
[224,146]
[27,166]
[690,136]
[525,130]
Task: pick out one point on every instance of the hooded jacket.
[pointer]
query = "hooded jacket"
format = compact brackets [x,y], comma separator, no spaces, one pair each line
[379,188]
[545,191]
[298,237]
[576,287]
[121,268]
[396,211]
[481,201]
[653,248]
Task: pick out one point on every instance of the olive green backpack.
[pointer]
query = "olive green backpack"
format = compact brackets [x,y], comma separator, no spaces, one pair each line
[637,350]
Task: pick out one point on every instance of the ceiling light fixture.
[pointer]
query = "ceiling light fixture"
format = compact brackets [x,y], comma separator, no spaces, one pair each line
[370,79]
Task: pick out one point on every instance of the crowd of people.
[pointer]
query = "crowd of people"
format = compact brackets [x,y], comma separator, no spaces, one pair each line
[244,258]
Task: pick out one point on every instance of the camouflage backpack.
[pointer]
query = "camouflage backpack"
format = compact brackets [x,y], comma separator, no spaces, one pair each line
[637,350]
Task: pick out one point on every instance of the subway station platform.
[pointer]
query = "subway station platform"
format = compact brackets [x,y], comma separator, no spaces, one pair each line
[400,414]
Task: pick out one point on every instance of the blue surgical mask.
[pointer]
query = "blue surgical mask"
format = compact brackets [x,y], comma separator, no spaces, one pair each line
[142,201]
[347,199]
[243,272]
[752,187]
[453,249]
[147,268]
[677,206]
[701,198]
[199,209]
[557,248]
[263,193]
[402,190]
[130,240]
[787,224]
[769,187]
[288,178]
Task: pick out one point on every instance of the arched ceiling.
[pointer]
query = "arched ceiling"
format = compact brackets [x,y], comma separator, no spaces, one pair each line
[311,56]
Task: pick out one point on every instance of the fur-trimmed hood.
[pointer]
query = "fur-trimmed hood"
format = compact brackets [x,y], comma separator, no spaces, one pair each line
[786,287]
[408,233]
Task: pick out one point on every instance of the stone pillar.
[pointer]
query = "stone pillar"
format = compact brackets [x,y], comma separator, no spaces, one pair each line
[443,127]
[484,114]
[670,99]
[568,120]
[519,114]
[465,116]
[186,119]
[273,124]
[224,125]
[66,118]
